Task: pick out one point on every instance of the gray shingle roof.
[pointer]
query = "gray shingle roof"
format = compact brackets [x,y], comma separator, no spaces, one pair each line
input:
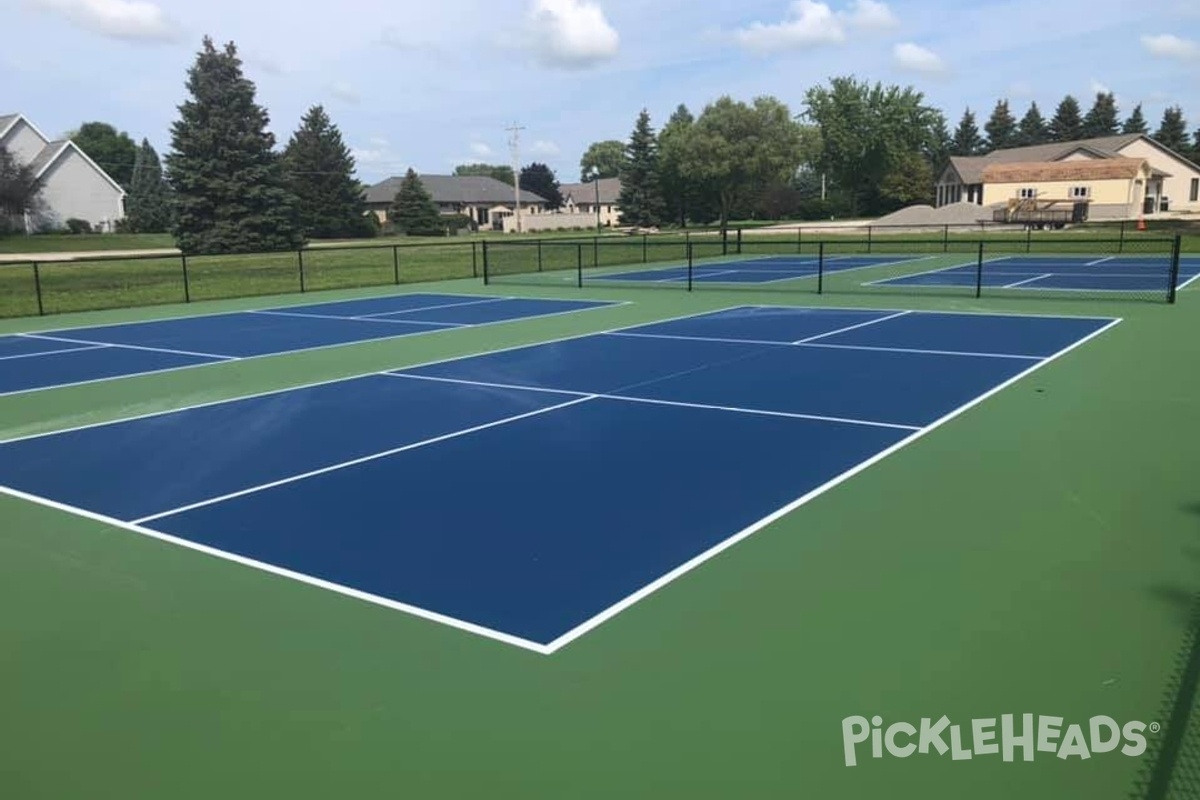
[452,189]
[610,191]
[48,154]
[6,120]
[970,168]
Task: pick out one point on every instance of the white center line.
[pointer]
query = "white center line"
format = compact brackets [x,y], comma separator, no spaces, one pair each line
[851,327]
[56,352]
[127,346]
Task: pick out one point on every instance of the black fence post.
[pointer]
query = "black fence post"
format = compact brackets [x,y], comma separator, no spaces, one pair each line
[1029,239]
[739,242]
[1174,271]
[579,264]
[474,261]
[724,241]
[645,246]
[300,261]
[485,264]
[539,254]
[820,267]
[37,287]
[595,251]
[945,238]
[689,262]
[979,273]
[396,264]
[187,291]
[1121,240]
[799,240]
[868,238]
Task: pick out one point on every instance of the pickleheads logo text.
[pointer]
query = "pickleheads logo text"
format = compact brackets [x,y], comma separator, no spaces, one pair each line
[988,737]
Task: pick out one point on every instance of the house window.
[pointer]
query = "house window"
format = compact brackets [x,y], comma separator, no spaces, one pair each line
[1080,192]
[1027,194]
[1195,195]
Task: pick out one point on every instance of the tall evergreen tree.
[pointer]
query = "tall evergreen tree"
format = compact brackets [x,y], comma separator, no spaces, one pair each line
[1102,118]
[967,141]
[1136,123]
[330,202]
[641,200]
[230,190]
[1001,127]
[413,211]
[1031,129]
[941,143]
[1067,124]
[540,179]
[677,192]
[1172,131]
[149,205]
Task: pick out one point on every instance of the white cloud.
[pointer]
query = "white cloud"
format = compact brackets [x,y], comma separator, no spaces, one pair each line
[810,23]
[1170,46]
[131,20]
[916,58]
[264,64]
[393,38]
[571,34]
[873,15]
[1020,89]
[1098,88]
[481,149]
[344,92]
[541,147]
[378,141]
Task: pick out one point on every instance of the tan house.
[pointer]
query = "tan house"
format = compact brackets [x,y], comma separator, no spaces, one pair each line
[73,185]
[1168,184]
[486,201]
[581,198]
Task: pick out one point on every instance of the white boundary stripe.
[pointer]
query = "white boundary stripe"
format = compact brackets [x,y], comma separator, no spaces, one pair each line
[356,319]
[1099,261]
[129,346]
[361,460]
[927,311]
[1026,280]
[431,308]
[688,566]
[919,351]
[972,264]
[1188,281]
[273,354]
[851,327]
[632,335]
[655,401]
[283,572]
[55,352]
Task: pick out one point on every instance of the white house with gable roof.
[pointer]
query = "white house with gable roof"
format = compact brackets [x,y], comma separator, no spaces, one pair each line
[73,185]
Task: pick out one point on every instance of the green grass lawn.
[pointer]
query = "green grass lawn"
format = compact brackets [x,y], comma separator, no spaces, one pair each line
[1038,554]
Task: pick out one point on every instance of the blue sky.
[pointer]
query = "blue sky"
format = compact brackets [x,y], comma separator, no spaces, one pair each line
[431,85]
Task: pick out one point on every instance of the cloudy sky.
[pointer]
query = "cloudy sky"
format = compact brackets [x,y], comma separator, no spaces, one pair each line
[434,84]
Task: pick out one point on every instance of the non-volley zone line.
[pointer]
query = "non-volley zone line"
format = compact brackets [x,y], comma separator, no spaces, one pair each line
[754,269]
[1060,273]
[539,432]
[69,357]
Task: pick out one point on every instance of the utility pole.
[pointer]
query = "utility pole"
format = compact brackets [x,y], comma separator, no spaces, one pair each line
[514,144]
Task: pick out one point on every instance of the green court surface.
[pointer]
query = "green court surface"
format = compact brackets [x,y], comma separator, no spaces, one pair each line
[1039,554]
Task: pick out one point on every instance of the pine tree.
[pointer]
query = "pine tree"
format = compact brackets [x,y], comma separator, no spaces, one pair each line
[149,205]
[1172,131]
[319,168]
[1001,128]
[1101,119]
[1067,125]
[413,211]
[1136,123]
[540,179]
[967,141]
[228,181]
[676,190]
[641,200]
[1032,128]
[939,144]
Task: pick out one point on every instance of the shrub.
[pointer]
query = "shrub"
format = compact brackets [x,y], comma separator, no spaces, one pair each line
[76,225]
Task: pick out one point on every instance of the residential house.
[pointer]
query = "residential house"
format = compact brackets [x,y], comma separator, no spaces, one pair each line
[585,198]
[1168,183]
[486,201]
[73,185]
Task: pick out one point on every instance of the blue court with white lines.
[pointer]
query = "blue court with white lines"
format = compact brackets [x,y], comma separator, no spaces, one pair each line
[531,494]
[754,269]
[1069,273]
[46,359]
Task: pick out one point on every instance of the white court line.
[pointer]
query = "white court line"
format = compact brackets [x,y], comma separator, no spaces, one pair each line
[919,351]
[274,353]
[300,577]
[689,338]
[1189,280]
[851,327]
[1026,280]
[712,552]
[655,401]
[355,319]
[1099,261]
[432,308]
[973,264]
[56,352]
[926,311]
[128,346]
[362,460]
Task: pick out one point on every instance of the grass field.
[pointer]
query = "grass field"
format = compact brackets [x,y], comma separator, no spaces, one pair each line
[1036,555]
